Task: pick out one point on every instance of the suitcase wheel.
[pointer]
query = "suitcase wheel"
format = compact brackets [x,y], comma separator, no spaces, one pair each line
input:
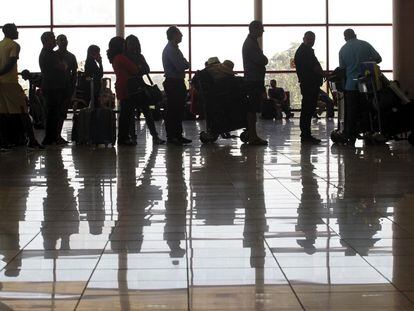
[206,137]
[244,136]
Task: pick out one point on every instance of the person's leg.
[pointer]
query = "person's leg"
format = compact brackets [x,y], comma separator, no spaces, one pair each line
[351,114]
[255,97]
[52,117]
[28,129]
[3,130]
[309,101]
[181,102]
[149,120]
[175,92]
[170,108]
[124,122]
[64,104]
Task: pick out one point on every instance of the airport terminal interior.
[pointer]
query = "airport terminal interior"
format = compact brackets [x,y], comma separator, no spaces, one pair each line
[212,226]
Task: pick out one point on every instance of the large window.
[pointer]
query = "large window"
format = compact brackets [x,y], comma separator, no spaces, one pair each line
[210,28]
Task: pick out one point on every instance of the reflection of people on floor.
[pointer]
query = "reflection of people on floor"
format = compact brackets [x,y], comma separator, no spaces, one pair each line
[325,103]
[255,224]
[205,200]
[175,204]
[13,208]
[311,203]
[97,176]
[60,214]
[358,211]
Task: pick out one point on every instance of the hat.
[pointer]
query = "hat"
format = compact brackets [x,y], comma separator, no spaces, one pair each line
[213,60]
[227,67]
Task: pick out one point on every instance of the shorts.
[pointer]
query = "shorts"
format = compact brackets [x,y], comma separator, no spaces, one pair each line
[255,93]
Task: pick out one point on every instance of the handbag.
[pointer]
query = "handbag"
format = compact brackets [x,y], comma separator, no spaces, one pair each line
[135,86]
[152,92]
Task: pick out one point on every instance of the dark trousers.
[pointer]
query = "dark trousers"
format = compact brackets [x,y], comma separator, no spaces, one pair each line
[141,106]
[175,91]
[55,111]
[125,120]
[309,101]
[356,113]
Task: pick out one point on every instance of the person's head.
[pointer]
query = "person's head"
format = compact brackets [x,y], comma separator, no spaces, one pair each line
[62,42]
[227,67]
[229,64]
[10,31]
[273,83]
[132,44]
[309,38]
[212,61]
[48,40]
[116,47]
[256,29]
[349,34]
[174,34]
[94,52]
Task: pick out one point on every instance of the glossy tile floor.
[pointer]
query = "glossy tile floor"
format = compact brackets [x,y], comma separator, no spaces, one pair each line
[215,227]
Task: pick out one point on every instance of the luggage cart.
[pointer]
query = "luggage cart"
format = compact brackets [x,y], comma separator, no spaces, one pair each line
[224,102]
[391,112]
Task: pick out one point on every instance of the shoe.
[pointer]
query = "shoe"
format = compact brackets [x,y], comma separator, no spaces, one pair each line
[258,142]
[290,115]
[35,146]
[310,140]
[158,141]
[48,142]
[61,141]
[175,141]
[126,143]
[185,140]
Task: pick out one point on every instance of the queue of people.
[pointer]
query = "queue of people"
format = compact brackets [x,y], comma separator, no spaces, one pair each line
[59,75]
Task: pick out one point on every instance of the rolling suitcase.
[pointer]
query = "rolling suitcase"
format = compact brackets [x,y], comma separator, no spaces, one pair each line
[103,126]
[81,127]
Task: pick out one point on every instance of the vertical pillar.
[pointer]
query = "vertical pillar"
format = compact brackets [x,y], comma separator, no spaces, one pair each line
[258,15]
[120,18]
[403,24]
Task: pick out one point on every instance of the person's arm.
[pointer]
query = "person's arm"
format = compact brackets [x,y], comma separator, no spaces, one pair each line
[375,56]
[13,57]
[255,55]
[144,68]
[341,60]
[99,69]
[177,59]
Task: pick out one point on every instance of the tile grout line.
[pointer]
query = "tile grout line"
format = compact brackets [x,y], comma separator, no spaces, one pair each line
[284,274]
[93,271]
[362,257]
[20,251]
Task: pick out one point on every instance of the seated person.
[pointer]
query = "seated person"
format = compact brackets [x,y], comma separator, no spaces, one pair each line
[324,103]
[219,70]
[278,96]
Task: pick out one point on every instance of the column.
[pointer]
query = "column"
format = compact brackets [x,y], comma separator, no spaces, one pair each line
[120,18]
[403,24]
[258,15]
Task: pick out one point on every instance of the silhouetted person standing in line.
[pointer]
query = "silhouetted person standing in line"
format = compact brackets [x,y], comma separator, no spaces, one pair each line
[70,78]
[254,62]
[53,88]
[174,65]
[12,97]
[133,52]
[351,55]
[310,75]
[94,69]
